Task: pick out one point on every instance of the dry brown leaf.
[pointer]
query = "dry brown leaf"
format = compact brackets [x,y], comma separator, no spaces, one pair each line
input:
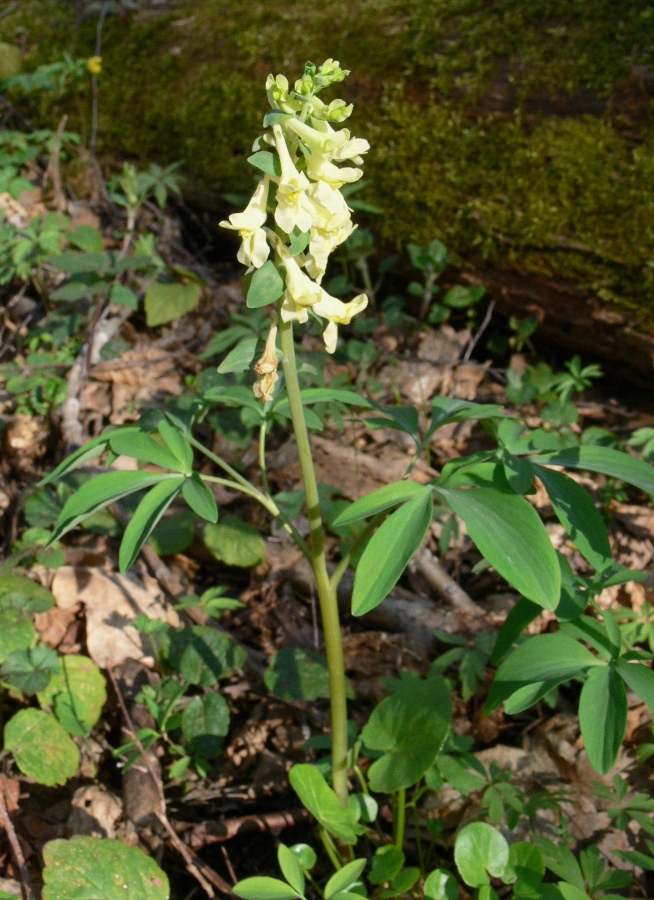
[53,624]
[94,812]
[353,472]
[138,377]
[112,602]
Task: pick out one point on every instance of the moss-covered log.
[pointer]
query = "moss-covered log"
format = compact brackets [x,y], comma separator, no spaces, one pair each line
[517,131]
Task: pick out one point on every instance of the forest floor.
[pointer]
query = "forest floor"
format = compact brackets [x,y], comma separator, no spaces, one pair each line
[226,822]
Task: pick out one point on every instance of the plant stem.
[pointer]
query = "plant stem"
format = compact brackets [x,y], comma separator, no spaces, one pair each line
[400,818]
[241,484]
[326,593]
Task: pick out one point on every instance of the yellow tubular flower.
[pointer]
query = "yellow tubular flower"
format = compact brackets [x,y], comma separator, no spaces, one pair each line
[94,64]
[337,313]
[254,249]
[294,209]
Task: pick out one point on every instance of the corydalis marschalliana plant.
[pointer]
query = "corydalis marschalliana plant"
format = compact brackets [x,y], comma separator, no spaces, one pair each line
[305,161]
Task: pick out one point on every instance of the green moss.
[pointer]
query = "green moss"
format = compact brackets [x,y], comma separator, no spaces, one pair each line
[571,198]
[568,199]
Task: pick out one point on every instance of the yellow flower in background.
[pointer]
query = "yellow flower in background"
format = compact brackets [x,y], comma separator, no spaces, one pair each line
[254,249]
[94,65]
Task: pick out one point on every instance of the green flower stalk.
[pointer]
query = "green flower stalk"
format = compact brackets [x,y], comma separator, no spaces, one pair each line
[298,215]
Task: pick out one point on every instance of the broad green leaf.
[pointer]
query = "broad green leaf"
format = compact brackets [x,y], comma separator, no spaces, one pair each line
[447,409]
[385,498]
[386,864]
[325,395]
[20,592]
[511,536]
[79,288]
[86,238]
[166,302]
[173,534]
[401,418]
[480,851]
[522,614]
[145,448]
[441,885]
[606,460]
[266,286]
[123,296]
[364,807]
[16,632]
[525,870]
[82,685]
[177,444]
[345,877]
[42,749]
[89,868]
[30,671]
[306,855]
[99,492]
[240,358]
[640,678]
[202,654]
[200,498]
[576,511]
[235,543]
[266,161]
[519,472]
[409,727]
[296,674]
[603,717]
[529,694]
[147,514]
[323,804]
[261,887]
[205,722]
[291,868]
[395,542]
[546,657]
[76,263]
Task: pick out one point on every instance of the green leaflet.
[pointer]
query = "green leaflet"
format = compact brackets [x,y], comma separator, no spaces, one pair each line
[266,286]
[394,543]
[576,511]
[323,804]
[386,497]
[603,717]
[200,498]
[99,492]
[409,727]
[148,512]
[510,535]
[606,460]
[145,448]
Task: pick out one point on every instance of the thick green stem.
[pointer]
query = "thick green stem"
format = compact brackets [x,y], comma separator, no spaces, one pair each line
[326,593]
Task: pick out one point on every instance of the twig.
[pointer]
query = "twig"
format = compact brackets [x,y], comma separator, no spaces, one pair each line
[446,587]
[7,824]
[472,343]
[228,863]
[193,864]
[54,170]
[94,79]
[204,833]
